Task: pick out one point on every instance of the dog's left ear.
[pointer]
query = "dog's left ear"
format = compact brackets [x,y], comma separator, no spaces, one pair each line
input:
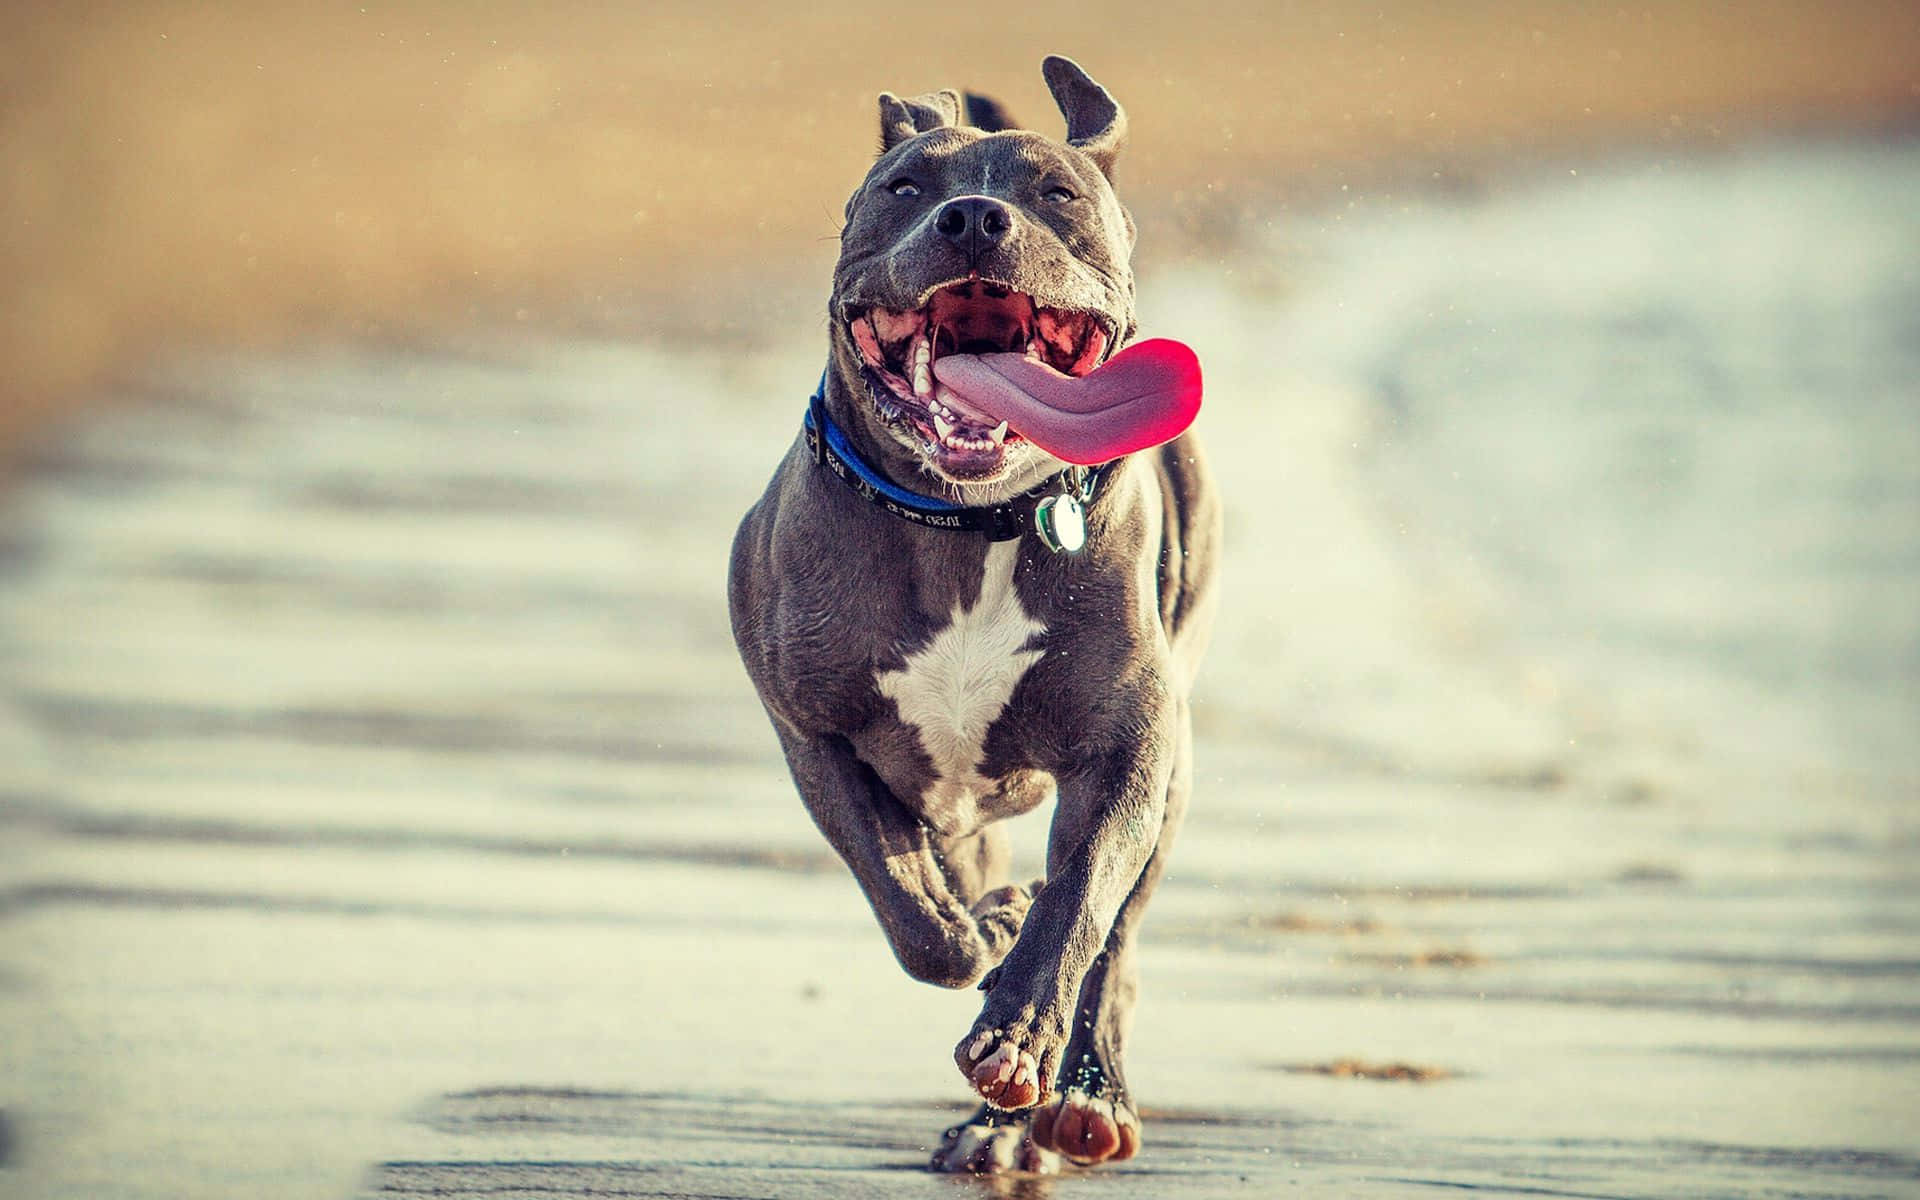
[1095,122]
[902,119]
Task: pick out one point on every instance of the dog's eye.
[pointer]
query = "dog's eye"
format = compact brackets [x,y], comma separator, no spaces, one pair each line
[1058,194]
[904,187]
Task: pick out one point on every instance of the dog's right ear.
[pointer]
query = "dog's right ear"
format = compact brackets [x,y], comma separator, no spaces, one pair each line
[902,119]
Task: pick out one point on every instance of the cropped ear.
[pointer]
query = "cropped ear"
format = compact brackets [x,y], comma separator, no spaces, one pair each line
[1095,122]
[902,119]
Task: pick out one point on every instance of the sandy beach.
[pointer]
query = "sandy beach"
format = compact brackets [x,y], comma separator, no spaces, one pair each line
[385,812]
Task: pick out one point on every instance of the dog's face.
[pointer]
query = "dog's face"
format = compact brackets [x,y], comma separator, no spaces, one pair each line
[970,242]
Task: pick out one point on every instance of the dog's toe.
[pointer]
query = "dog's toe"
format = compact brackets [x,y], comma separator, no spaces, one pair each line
[1087,1129]
[990,1146]
[1004,1073]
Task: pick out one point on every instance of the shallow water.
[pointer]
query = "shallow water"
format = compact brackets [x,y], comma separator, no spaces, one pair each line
[387,813]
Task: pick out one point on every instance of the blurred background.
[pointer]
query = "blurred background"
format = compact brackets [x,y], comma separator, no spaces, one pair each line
[200,174]
[382,807]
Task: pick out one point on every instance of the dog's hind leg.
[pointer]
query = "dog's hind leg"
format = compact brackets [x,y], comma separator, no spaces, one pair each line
[1092,1118]
[976,863]
[930,898]
[991,1142]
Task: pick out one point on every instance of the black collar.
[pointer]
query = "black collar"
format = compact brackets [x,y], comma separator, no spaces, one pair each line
[1003,522]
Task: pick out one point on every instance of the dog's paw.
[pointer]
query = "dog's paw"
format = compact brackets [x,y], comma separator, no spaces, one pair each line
[1008,1067]
[990,1143]
[1000,914]
[1087,1127]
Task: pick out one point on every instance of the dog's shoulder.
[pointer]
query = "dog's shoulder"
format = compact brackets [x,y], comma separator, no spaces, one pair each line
[804,560]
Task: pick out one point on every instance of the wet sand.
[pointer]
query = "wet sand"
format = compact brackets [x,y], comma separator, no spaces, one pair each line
[386,813]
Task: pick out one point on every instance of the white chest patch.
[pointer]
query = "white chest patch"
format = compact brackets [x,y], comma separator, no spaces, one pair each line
[953,688]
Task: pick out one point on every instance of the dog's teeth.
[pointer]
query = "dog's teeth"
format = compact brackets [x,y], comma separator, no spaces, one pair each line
[942,426]
[998,433]
[921,360]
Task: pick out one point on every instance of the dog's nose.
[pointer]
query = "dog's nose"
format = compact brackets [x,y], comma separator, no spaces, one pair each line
[974,223]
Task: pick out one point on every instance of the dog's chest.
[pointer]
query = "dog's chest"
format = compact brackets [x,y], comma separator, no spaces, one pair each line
[954,687]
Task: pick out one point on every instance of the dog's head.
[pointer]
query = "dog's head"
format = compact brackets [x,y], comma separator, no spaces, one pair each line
[971,240]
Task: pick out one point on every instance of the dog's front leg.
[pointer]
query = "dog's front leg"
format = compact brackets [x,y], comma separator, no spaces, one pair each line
[1092,1117]
[939,932]
[1105,828]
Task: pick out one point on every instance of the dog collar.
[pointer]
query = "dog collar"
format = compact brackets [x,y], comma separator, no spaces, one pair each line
[1058,520]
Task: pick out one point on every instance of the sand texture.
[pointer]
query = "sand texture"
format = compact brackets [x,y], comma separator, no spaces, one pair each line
[386,813]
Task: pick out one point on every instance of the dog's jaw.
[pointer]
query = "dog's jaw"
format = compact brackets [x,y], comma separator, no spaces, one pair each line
[956,444]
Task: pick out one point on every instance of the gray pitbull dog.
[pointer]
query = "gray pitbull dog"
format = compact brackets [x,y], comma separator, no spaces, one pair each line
[936,657]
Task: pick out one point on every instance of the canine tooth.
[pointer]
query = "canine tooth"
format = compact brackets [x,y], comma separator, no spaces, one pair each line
[998,433]
[942,426]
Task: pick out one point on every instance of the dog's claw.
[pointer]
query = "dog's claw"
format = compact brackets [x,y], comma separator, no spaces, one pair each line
[1006,1076]
[992,1146]
[1087,1129]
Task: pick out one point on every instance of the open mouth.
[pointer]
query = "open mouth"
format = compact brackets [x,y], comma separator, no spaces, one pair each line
[900,346]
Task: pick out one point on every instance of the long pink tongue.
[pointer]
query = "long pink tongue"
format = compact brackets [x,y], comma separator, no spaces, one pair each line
[1145,395]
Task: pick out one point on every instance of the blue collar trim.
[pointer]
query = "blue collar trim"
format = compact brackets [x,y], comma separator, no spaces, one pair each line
[836,441]
[830,448]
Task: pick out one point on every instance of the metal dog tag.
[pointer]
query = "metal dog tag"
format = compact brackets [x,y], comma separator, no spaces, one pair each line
[1061,523]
